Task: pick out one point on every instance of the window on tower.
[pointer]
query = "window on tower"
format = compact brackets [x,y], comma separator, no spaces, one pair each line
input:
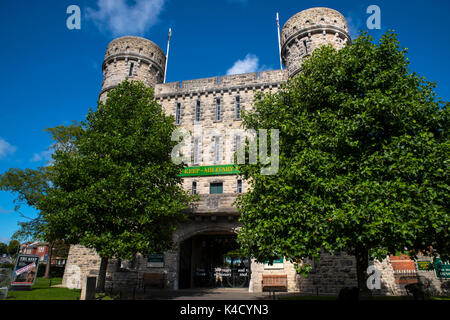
[130,73]
[306,46]
[217,149]
[196,149]
[197,111]
[238,107]
[178,114]
[218,109]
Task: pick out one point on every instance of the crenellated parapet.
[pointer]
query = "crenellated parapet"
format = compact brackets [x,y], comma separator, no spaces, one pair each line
[308,30]
[132,58]
[240,82]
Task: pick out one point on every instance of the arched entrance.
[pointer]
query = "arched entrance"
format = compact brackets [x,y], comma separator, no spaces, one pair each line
[212,260]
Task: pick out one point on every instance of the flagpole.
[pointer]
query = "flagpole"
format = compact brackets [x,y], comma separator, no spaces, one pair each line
[167,55]
[279,43]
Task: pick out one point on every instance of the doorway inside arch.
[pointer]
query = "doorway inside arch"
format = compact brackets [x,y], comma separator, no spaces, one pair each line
[213,260]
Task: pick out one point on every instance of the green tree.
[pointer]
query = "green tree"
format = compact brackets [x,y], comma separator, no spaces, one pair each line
[364,161]
[13,247]
[116,189]
[29,187]
[3,248]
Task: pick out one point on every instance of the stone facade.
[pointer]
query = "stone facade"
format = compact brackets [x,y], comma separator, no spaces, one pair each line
[209,109]
[308,30]
[132,58]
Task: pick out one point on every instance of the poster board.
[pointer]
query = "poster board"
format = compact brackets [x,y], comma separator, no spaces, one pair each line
[277,264]
[442,268]
[155,261]
[25,270]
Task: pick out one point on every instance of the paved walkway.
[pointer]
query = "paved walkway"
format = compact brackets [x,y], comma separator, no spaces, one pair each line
[196,294]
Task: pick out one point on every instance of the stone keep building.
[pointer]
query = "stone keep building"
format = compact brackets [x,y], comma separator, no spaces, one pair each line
[210,108]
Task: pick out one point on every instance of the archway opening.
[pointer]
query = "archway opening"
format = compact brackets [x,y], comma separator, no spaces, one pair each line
[213,260]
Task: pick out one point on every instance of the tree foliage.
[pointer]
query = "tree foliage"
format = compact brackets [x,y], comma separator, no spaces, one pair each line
[13,247]
[3,248]
[115,188]
[29,187]
[364,160]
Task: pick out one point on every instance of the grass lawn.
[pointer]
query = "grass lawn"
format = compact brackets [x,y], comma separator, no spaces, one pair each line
[42,291]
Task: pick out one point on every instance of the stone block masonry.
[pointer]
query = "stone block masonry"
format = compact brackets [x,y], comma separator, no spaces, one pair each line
[210,110]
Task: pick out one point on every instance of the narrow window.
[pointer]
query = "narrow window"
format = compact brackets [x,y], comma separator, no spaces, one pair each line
[194,187]
[217,149]
[196,142]
[237,143]
[217,109]
[216,188]
[239,186]
[178,114]
[306,46]
[130,74]
[197,111]
[238,107]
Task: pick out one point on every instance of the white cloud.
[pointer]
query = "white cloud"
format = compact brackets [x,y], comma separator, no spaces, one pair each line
[121,18]
[42,156]
[6,148]
[4,211]
[249,64]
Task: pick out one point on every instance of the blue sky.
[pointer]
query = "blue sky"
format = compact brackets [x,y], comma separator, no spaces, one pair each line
[51,75]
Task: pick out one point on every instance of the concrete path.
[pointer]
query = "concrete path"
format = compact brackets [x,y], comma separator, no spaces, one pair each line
[198,294]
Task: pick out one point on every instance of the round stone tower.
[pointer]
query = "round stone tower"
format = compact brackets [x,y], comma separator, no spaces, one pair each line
[133,58]
[308,30]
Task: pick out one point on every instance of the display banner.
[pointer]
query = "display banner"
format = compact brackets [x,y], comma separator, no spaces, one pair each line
[277,264]
[425,265]
[209,170]
[25,271]
[155,261]
[442,269]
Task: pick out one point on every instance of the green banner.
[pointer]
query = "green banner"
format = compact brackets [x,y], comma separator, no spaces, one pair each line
[442,269]
[209,170]
[425,265]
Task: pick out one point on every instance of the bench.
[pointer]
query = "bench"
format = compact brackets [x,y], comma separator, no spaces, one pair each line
[274,283]
[153,280]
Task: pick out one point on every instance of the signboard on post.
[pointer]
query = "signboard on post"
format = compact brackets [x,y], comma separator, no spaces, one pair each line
[25,271]
[217,170]
[155,261]
[277,264]
[442,269]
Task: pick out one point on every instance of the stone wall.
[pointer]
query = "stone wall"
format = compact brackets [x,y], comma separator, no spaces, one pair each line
[81,262]
[432,284]
[307,31]
[142,57]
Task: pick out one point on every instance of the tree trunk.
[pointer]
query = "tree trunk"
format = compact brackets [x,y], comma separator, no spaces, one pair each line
[362,263]
[49,260]
[102,275]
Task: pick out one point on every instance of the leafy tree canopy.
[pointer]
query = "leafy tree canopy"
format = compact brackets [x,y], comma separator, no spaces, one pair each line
[115,188]
[364,160]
